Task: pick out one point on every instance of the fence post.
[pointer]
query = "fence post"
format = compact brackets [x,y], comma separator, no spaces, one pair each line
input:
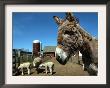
[14,65]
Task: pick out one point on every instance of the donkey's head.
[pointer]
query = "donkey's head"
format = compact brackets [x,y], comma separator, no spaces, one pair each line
[69,38]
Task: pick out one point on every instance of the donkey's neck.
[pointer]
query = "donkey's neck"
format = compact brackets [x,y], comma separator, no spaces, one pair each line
[86,51]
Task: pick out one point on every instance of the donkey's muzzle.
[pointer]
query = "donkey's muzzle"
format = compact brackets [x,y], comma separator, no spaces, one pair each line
[61,56]
[63,62]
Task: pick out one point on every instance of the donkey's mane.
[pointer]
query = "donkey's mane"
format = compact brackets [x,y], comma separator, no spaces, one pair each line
[84,33]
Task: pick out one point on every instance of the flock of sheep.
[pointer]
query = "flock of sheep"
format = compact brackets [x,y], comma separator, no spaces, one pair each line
[38,64]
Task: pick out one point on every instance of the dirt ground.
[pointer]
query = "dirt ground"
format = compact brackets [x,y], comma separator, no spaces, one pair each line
[70,69]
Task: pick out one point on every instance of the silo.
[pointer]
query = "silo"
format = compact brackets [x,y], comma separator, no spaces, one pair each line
[36,48]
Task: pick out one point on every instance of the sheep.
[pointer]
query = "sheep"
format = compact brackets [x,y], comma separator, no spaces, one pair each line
[36,62]
[25,65]
[48,66]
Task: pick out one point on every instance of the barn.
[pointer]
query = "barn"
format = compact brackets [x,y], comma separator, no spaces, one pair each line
[49,51]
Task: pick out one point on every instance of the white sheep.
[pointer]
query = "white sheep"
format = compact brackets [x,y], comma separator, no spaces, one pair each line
[49,66]
[36,62]
[25,65]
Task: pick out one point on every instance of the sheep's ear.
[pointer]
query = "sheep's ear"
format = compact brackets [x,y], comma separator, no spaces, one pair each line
[69,16]
[57,20]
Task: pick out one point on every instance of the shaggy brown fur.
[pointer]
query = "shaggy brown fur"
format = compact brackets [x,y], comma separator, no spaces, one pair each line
[72,37]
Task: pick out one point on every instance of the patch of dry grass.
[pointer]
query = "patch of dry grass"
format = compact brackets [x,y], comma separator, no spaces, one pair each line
[70,69]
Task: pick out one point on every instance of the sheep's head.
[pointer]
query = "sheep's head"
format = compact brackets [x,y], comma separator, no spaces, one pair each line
[68,39]
[19,67]
[41,66]
[34,64]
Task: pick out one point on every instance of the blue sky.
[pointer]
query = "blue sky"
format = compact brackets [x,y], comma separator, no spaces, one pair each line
[41,26]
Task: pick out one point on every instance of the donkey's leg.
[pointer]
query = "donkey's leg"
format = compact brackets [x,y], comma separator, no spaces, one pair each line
[84,63]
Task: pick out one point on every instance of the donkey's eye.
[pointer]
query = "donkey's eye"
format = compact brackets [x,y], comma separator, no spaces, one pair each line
[62,43]
[66,32]
[69,32]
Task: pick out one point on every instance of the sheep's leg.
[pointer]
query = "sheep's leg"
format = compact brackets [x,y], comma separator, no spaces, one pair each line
[50,69]
[83,66]
[46,69]
[22,71]
[28,71]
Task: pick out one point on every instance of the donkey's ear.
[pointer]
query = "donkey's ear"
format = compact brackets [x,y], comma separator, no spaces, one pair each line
[57,20]
[69,16]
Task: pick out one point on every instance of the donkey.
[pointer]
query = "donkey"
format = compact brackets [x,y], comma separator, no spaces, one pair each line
[73,38]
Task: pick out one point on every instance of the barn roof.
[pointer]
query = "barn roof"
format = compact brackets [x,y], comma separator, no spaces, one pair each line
[49,48]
